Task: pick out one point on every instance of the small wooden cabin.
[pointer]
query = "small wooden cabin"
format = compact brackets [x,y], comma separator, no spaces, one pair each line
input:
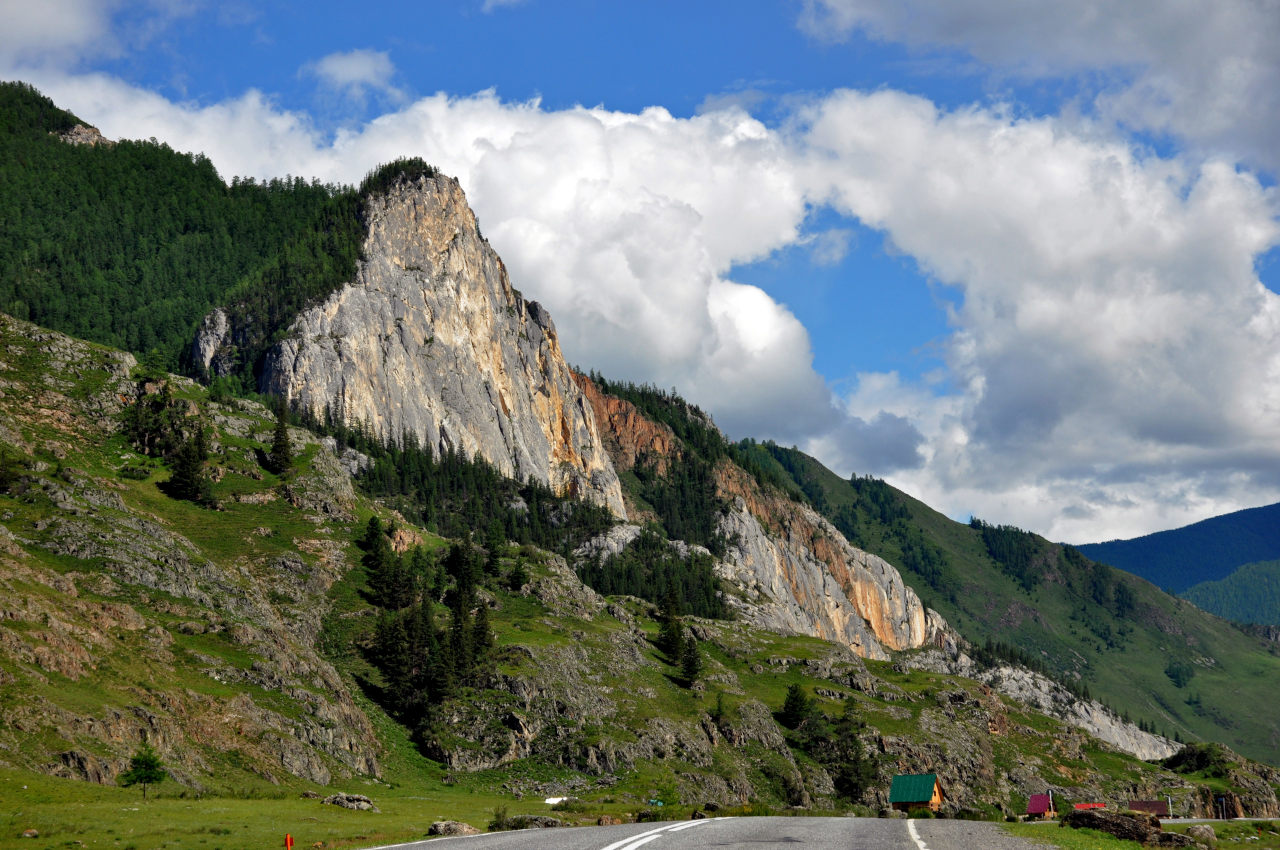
[1159,808]
[916,791]
[1041,806]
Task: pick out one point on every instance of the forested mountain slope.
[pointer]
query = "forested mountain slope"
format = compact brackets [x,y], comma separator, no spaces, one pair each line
[1251,594]
[1208,550]
[1157,658]
[130,243]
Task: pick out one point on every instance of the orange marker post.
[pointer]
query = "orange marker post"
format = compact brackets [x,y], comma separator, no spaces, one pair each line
[288,841]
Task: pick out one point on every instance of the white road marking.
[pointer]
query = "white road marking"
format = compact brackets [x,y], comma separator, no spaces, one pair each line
[915,836]
[618,844]
[652,835]
[692,823]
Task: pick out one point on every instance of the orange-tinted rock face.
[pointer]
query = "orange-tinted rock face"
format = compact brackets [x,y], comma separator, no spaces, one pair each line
[628,435]
[797,570]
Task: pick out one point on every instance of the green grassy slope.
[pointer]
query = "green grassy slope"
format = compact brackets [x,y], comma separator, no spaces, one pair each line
[1114,631]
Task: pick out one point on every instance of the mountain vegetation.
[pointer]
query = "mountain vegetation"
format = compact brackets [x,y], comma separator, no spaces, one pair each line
[278,604]
[1209,550]
[131,243]
[1251,594]
[346,640]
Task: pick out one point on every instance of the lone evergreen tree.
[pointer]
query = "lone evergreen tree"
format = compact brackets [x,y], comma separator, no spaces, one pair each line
[188,480]
[796,706]
[145,768]
[690,660]
[281,458]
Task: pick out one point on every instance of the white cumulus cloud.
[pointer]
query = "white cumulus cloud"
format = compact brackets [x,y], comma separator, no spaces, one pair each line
[355,73]
[1207,71]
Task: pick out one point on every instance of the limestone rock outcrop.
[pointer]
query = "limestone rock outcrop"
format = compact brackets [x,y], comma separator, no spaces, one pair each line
[431,339]
[796,571]
[849,596]
[1047,696]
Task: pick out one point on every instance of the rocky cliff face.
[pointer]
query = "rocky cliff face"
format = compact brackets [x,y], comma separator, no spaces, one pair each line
[796,571]
[1049,697]
[431,339]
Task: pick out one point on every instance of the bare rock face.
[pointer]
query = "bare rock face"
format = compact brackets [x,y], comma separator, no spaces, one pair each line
[802,576]
[796,571]
[210,342]
[82,135]
[1047,696]
[432,340]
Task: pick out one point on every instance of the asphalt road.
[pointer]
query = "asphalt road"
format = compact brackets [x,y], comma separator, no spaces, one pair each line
[752,833]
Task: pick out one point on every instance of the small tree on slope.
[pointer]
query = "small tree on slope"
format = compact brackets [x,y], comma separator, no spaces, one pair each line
[145,769]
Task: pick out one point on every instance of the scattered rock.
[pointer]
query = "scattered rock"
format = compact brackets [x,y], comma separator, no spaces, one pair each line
[608,820]
[31,833]
[535,822]
[1203,833]
[452,827]
[698,816]
[309,795]
[1135,826]
[351,801]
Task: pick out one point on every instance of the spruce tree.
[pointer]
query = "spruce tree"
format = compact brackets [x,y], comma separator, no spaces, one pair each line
[690,661]
[188,480]
[796,706]
[145,768]
[281,458]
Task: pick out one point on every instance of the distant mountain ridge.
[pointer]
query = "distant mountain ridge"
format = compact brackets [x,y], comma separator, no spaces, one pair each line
[1208,550]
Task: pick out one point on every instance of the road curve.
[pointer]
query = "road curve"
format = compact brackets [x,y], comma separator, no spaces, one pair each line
[752,833]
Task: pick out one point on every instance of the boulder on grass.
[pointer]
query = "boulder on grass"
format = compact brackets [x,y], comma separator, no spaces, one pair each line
[351,801]
[1203,833]
[452,827]
[535,822]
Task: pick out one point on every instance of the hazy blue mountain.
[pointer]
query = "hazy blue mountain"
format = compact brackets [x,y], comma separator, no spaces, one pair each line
[1205,551]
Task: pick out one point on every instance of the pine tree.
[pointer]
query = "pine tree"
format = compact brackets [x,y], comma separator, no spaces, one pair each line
[145,768]
[281,458]
[796,707]
[690,660]
[188,480]
[372,532]
[481,636]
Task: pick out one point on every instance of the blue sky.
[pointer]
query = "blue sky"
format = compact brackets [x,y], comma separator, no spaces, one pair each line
[1012,256]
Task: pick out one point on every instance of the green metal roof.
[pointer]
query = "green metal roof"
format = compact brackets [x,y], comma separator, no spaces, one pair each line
[912,788]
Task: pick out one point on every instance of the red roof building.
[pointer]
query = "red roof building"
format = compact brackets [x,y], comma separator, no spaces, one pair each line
[1041,806]
[1159,808]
